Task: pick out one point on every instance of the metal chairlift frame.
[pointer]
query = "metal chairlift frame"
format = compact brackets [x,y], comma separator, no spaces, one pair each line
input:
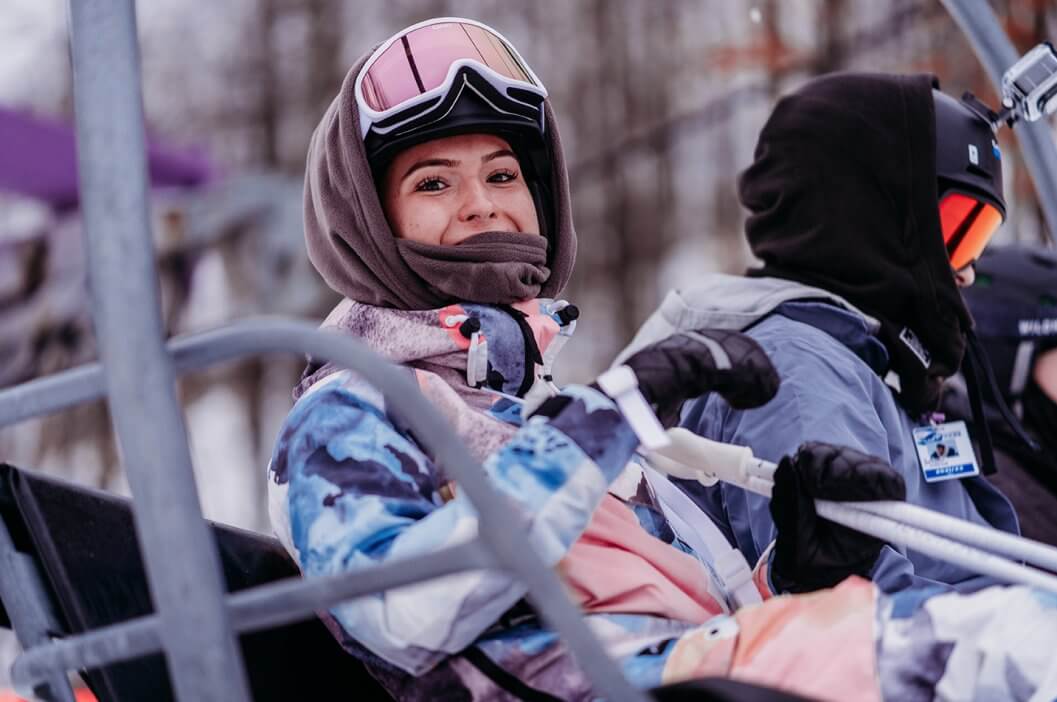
[196,623]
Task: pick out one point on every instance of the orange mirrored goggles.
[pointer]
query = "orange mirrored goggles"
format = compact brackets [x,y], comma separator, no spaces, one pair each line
[968,224]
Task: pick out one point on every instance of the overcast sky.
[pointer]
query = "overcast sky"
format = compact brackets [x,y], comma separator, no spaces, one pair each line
[32,62]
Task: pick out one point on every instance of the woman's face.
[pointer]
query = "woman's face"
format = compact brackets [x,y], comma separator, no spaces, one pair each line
[446,190]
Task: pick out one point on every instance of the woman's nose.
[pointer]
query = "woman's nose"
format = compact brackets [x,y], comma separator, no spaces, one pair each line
[476,204]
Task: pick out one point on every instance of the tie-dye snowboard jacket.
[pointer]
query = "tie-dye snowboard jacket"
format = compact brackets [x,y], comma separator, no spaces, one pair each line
[350,489]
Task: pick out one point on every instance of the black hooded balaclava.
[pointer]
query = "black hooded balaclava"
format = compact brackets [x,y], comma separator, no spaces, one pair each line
[842,196]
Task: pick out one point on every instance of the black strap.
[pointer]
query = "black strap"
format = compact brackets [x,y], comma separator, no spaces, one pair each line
[532,349]
[976,402]
[977,349]
[504,679]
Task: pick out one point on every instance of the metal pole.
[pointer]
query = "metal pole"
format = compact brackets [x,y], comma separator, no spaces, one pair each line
[25,601]
[180,556]
[996,52]
[259,608]
[43,396]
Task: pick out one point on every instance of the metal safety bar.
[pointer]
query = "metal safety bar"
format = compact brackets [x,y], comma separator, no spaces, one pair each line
[996,52]
[974,547]
[944,547]
[262,607]
[508,548]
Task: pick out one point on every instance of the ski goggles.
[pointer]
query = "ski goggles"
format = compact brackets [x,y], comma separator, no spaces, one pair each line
[410,74]
[968,223]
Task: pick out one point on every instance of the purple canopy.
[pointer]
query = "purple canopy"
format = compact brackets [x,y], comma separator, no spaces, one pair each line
[38,159]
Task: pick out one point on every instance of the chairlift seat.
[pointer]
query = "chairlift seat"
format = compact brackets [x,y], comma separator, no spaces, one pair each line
[84,545]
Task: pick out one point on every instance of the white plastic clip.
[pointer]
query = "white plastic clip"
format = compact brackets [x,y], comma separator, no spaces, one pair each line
[477,361]
[690,457]
[621,384]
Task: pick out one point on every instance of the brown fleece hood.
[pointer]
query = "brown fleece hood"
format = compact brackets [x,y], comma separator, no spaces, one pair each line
[353,247]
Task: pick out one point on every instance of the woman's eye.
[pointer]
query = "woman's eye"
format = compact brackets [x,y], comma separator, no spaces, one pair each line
[503,176]
[430,185]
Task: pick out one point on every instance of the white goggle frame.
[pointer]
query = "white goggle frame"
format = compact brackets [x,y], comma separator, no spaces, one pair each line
[369,117]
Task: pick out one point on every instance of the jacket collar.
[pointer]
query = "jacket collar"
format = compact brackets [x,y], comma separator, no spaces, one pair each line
[508,346]
[732,302]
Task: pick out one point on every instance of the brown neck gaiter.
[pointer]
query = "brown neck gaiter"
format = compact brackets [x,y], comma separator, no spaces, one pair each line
[498,268]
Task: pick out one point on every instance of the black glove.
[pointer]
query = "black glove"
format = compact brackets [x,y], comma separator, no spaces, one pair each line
[682,367]
[813,553]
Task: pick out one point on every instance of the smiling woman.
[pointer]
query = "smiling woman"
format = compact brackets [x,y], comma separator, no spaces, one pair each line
[447,190]
[437,202]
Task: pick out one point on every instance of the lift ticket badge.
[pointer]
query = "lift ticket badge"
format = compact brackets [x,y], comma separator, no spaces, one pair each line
[945,452]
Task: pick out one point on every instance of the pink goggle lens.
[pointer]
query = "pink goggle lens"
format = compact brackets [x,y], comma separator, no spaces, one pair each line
[418,62]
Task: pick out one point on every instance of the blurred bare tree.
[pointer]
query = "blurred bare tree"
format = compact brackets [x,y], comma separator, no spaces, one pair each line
[659,104]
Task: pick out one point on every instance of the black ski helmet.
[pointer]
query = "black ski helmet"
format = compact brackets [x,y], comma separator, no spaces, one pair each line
[967,155]
[1014,304]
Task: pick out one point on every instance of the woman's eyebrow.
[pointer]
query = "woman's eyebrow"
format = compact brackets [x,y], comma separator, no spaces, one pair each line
[497,154]
[426,163]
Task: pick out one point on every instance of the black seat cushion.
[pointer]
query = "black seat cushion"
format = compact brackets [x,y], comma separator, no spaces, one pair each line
[86,546]
[721,690]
